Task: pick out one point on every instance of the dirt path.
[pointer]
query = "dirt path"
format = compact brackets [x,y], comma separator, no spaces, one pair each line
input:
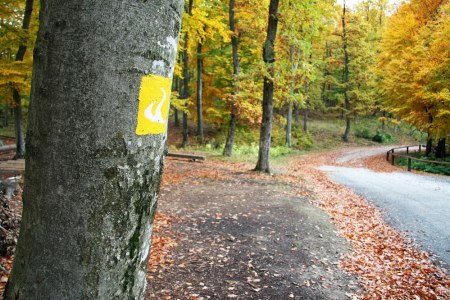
[246,236]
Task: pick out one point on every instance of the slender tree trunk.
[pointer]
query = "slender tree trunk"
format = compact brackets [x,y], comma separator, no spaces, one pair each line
[18,118]
[346,76]
[228,150]
[267,106]
[200,135]
[289,125]
[92,169]
[296,113]
[186,78]
[440,150]
[176,118]
[185,90]
[305,120]
[290,105]
[429,147]
[177,88]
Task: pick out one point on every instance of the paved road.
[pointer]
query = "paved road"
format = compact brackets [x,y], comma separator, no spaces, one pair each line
[413,203]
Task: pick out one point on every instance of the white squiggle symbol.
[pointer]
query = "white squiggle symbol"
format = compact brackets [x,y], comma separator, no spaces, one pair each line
[157,116]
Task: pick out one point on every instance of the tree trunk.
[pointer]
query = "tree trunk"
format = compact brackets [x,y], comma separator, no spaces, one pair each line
[186,78]
[346,75]
[200,135]
[228,151]
[289,125]
[185,89]
[296,113]
[440,149]
[93,169]
[429,148]
[267,106]
[175,110]
[305,120]
[176,118]
[18,118]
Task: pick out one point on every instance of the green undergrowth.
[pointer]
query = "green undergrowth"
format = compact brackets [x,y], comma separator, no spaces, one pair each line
[324,132]
[425,167]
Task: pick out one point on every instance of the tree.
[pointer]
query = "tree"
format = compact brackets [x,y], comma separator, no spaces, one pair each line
[236,69]
[185,86]
[200,134]
[346,73]
[20,145]
[414,68]
[15,68]
[267,105]
[94,151]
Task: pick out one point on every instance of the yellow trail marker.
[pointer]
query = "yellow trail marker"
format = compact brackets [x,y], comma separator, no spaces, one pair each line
[154,98]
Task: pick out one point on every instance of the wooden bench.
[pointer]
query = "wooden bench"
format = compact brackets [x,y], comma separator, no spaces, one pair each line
[7,148]
[12,167]
[191,157]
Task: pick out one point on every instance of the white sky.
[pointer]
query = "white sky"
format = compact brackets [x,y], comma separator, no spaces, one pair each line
[352,3]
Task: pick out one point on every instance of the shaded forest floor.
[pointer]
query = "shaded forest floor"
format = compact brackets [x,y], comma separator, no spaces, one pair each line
[245,235]
[233,233]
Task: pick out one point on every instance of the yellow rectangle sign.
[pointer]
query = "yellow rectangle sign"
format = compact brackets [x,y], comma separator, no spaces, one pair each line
[154,103]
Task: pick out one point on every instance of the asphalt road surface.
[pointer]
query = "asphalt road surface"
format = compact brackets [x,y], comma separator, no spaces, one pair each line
[416,204]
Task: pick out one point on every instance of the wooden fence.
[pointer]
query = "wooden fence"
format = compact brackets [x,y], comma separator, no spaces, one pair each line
[391,156]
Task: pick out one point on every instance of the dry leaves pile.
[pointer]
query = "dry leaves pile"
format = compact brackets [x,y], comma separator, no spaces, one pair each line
[161,244]
[5,270]
[173,177]
[379,164]
[388,265]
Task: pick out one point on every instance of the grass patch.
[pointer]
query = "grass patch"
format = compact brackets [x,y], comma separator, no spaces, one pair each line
[426,167]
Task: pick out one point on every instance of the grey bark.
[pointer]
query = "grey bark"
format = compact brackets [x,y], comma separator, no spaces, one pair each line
[91,183]
[289,125]
[228,150]
[296,113]
[440,149]
[18,117]
[429,146]
[186,77]
[346,76]
[294,67]
[305,120]
[267,106]
[176,118]
[176,88]
[200,134]
[185,89]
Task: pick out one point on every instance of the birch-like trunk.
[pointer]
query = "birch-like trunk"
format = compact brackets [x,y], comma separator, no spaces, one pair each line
[267,106]
[91,182]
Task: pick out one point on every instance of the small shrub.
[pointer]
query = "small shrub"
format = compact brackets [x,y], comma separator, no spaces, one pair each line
[279,151]
[363,133]
[303,142]
[381,137]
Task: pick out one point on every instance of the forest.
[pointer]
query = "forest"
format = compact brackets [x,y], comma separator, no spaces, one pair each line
[100,105]
[375,58]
